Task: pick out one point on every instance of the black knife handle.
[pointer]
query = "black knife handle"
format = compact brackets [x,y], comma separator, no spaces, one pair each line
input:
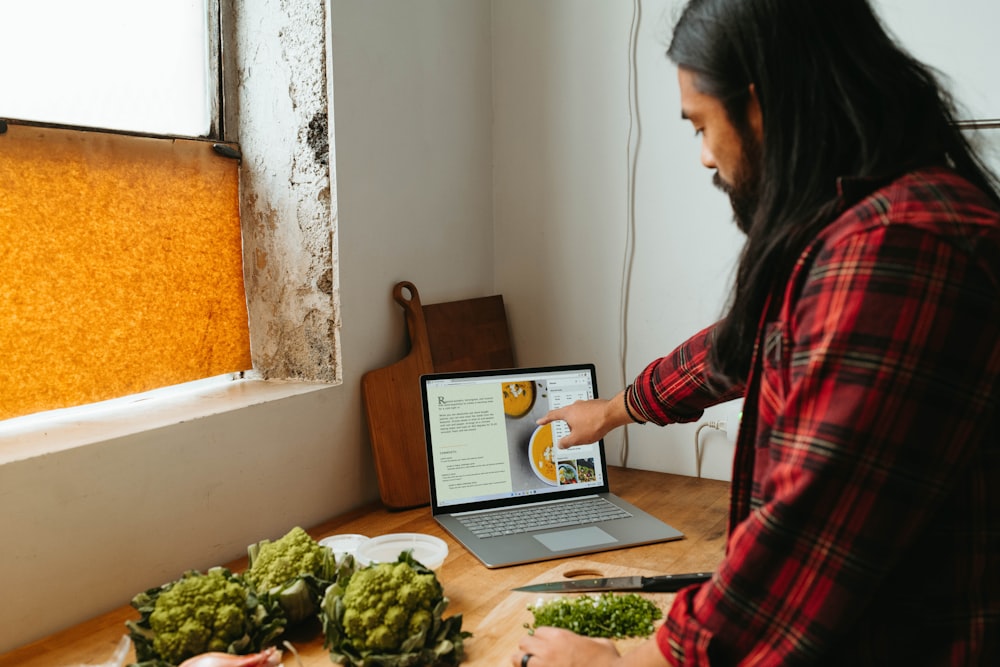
[671,583]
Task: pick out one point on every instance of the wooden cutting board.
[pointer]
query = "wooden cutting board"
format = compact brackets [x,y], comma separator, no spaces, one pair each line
[469,334]
[496,637]
[452,336]
[395,420]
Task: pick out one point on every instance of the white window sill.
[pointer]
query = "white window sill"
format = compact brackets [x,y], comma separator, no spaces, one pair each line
[36,435]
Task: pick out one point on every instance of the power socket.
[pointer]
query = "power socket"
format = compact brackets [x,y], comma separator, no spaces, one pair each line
[733,421]
[728,419]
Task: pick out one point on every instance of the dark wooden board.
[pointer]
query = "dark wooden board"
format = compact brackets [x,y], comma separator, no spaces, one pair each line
[451,336]
[468,335]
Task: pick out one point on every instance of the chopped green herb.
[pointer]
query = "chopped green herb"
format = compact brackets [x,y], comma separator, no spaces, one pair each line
[605,615]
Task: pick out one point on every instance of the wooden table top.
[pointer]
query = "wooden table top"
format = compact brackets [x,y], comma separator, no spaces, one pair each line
[696,507]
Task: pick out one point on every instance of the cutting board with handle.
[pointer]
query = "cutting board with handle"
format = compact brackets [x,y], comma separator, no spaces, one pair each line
[395,420]
[451,336]
[495,638]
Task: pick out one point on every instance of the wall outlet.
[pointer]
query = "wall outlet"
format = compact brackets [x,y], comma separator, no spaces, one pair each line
[726,417]
[734,417]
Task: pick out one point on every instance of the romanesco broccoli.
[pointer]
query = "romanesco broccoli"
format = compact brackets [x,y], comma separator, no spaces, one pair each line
[276,563]
[386,603]
[199,613]
[295,569]
[390,614]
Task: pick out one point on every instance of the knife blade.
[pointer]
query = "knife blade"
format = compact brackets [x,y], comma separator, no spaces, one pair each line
[664,583]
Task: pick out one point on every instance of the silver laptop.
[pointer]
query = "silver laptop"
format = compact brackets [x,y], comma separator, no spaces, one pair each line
[499,482]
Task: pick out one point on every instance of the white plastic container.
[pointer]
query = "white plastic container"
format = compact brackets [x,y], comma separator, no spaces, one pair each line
[428,550]
[343,545]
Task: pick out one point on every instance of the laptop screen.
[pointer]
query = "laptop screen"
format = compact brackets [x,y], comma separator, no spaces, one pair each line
[484,445]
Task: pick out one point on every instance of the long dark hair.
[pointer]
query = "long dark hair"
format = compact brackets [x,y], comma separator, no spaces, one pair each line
[839,98]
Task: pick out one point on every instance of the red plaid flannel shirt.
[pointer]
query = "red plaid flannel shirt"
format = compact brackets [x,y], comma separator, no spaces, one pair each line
[865,509]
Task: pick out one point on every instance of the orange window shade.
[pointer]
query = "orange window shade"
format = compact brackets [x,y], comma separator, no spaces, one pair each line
[120,266]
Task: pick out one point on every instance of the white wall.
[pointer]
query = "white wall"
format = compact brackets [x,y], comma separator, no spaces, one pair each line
[561,140]
[85,529]
[961,44]
[561,100]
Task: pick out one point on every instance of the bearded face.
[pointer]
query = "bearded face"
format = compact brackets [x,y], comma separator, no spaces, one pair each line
[744,188]
[732,134]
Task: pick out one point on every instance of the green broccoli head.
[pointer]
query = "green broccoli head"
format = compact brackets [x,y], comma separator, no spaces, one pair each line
[294,569]
[386,604]
[199,613]
[390,614]
[275,564]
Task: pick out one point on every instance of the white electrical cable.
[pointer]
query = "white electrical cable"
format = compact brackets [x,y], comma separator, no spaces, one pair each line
[632,152]
[699,451]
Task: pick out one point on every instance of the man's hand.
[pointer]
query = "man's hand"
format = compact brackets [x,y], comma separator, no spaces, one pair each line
[589,421]
[555,647]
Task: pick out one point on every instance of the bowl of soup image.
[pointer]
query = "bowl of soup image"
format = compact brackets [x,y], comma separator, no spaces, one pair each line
[541,453]
[518,397]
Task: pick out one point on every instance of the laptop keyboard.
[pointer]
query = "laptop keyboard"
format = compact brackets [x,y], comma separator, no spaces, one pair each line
[541,517]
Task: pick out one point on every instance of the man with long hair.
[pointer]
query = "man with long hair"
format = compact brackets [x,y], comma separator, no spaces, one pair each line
[863,332]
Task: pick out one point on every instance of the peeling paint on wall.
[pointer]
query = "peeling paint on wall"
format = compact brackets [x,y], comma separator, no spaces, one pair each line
[288,201]
[319,137]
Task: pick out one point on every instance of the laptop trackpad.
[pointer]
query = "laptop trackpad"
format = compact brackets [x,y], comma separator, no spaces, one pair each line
[575,538]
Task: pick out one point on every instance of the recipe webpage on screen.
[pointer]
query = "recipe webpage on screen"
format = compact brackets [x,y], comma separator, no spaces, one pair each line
[483,442]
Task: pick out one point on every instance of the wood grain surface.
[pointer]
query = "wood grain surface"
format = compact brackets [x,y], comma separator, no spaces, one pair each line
[489,608]
[395,418]
[471,334]
[495,637]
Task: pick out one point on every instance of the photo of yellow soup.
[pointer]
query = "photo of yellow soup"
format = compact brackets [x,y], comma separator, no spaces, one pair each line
[518,397]
[541,451]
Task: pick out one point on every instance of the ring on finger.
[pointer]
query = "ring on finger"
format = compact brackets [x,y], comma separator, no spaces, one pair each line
[524,659]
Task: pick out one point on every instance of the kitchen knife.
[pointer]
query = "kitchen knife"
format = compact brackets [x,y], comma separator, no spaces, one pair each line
[664,583]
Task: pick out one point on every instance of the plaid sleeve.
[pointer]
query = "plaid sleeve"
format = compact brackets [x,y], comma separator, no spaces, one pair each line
[880,402]
[677,388]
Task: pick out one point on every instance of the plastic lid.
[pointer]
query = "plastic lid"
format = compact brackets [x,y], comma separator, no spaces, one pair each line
[345,544]
[428,550]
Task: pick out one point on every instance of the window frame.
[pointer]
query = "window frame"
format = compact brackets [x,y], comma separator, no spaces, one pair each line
[228,26]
